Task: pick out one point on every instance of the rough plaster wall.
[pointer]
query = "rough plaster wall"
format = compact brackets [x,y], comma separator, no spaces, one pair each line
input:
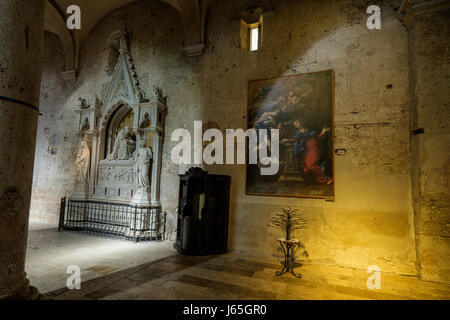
[371,220]
[56,144]
[430,71]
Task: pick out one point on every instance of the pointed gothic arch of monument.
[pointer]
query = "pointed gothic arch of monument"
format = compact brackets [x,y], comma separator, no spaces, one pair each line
[120,114]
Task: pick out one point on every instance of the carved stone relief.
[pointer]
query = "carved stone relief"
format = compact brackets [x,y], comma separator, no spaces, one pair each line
[116,175]
[122,89]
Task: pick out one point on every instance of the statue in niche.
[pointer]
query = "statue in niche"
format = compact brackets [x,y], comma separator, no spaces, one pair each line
[86,125]
[98,102]
[145,123]
[82,163]
[124,146]
[142,164]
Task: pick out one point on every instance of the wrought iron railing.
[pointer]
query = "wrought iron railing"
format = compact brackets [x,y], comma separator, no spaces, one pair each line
[114,220]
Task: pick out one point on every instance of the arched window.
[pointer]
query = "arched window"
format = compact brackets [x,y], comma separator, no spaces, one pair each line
[252,29]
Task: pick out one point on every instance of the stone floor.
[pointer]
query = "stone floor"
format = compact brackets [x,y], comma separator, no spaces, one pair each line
[50,253]
[120,270]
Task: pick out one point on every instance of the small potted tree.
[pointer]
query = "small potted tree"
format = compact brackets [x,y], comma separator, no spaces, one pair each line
[288,220]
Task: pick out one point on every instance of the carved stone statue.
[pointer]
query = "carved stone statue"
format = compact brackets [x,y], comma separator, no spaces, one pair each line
[98,102]
[86,125]
[142,164]
[83,163]
[124,146]
[82,104]
[159,95]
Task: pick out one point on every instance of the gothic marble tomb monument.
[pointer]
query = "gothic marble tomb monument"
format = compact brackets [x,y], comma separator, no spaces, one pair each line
[119,160]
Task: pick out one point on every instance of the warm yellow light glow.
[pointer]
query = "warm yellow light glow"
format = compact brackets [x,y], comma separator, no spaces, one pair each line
[254,39]
[128,120]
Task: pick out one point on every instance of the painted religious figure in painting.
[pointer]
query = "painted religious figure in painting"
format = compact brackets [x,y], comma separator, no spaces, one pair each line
[301,107]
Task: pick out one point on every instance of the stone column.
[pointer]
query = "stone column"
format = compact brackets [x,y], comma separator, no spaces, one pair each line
[21,41]
[94,161]
[156,170]
[428,28]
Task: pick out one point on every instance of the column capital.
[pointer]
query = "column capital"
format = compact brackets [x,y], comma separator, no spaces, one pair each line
[70,75]
[193,50]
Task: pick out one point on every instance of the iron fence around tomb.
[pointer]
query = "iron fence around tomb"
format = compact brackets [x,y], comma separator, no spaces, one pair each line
[112,220]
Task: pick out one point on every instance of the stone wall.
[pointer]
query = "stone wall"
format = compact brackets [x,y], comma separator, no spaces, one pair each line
[56,144]
[371,221]
[430,105]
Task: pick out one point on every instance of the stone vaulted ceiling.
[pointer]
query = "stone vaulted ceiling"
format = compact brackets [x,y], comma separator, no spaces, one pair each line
[92,11]
[192,12]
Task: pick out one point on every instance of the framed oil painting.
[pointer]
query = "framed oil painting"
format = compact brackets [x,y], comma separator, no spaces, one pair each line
[302,108]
